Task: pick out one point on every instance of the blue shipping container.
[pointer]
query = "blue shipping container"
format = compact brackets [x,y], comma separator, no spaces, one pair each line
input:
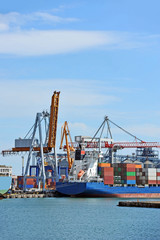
[130,182]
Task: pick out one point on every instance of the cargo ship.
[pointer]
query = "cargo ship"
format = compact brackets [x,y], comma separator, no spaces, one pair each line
[90,178]
[5,179]
[99,189]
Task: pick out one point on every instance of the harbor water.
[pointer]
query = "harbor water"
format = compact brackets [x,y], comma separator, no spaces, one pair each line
[76,218]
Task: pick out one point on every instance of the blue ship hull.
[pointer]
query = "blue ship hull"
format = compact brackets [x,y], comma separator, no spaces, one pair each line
[96,189]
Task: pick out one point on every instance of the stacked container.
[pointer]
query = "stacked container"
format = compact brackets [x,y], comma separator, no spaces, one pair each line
[158,175]
[128,173]
[30,182]
[108,175]
[124,173]
[150,175]
[101,166]
[140,176]
[20,182]
[117,173]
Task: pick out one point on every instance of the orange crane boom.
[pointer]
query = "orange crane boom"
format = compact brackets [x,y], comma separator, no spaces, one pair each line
[53,120]
[65,133]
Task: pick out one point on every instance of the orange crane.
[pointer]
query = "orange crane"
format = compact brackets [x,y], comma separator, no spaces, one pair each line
[53,120]
[69,147]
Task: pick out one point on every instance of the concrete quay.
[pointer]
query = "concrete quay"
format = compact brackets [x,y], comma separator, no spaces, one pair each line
[142,204]
[29,195]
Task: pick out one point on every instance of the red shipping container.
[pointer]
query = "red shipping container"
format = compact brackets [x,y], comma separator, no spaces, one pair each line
[158,174]
[108,182]
[30,181]
[108,178]
[152,182]
[158,181]
[127,165]
[130,178]
[107,169]
[107,174]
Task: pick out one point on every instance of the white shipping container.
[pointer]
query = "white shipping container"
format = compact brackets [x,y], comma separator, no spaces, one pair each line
[150,170]
[151,175]
[151,178]
[158,178]
[158,169]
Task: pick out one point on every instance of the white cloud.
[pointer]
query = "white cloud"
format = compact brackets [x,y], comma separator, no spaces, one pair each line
[14,20]
[50,42]
[33,43]
[44,16]
[3,27]
[25,98]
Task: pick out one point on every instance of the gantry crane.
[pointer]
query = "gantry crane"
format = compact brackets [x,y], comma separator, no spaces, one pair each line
[41,147]
[99,142]
[50,141]
[69,147]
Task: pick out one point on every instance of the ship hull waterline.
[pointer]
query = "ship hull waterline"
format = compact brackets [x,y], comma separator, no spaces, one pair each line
[89,190]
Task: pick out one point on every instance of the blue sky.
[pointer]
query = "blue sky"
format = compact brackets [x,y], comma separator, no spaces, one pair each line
[104,57]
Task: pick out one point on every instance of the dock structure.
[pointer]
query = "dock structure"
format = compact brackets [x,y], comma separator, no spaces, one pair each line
[29,195]
[142,204]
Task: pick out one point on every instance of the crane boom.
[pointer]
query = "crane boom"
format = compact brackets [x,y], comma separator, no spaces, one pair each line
[123,144]
[69,146]
[105,144]
[53,120]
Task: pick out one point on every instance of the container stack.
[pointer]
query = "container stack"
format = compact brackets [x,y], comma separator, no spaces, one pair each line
[158,176]
[128,173]
[30,182]
[117,173]
[140,176]
[106,172]
[108,175]
[150,175]
[101,166]
[124,173]
[20,182]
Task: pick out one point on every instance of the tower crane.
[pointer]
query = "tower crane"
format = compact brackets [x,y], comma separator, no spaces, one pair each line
[69,146]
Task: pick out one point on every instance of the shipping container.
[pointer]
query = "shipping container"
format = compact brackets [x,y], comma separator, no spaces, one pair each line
[104,165]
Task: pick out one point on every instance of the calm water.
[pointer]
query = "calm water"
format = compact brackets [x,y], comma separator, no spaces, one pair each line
[69,218]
